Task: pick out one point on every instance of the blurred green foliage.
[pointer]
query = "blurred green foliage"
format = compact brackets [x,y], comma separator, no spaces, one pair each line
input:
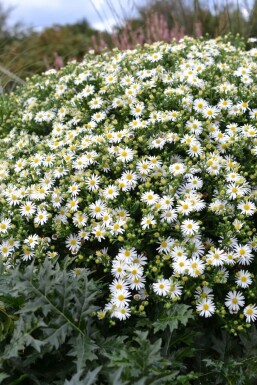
[35,52]
[25,52]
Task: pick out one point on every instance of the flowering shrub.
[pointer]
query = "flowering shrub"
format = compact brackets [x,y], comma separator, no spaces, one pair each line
[141,166]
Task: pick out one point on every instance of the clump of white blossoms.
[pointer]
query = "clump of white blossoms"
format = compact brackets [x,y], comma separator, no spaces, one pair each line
[140,165]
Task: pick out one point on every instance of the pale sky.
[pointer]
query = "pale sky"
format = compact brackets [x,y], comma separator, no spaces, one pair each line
[101,14]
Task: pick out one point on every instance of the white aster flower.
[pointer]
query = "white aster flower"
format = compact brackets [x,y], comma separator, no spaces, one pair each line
[243,279]
[250,313]
[248,208]
[148,221]
[243,253]
[122,313]
[161,287]
[177,169]
[205,307]
[41,217]
[5,225]
[189,227]
[234,299]
[73,243]
[150,198]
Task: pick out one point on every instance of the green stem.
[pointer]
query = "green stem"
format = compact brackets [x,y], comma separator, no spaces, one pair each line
[228,380]
[11,75]
[167,345]
[20,379]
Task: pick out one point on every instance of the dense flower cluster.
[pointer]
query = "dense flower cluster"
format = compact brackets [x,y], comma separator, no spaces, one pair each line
[141,164]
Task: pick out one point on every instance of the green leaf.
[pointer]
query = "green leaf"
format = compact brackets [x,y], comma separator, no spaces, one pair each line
[3,376]
[166,378]
[83,351]
[75,380]
[178,314]
[90,378]
[54,322]
[56,336]
[140,361]
[22,336]
[115,378]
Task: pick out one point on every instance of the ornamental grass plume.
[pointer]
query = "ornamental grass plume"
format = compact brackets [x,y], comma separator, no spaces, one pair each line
[140,166]
[155,29]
